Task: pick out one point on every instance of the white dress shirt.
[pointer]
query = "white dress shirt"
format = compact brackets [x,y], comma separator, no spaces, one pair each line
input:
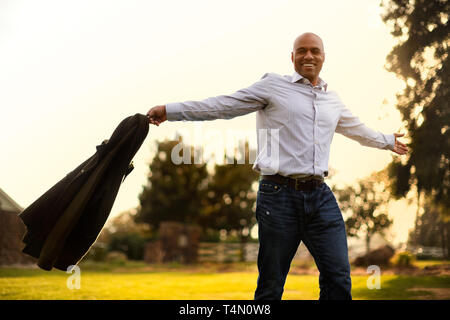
[295,122]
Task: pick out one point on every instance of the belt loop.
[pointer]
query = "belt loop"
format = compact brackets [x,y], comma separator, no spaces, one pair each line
[296,184]
[286,181]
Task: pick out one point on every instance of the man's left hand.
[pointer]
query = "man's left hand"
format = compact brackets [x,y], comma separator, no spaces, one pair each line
[399,148]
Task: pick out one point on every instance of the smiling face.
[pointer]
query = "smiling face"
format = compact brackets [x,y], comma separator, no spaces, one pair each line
[308,56]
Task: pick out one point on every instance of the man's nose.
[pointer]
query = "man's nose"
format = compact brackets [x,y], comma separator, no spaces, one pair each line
[308,55]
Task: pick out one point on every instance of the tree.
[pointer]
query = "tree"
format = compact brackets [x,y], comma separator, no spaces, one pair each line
[230,198]
[421,60]
[175,190]
[366,206]
[430,229]
[125,222]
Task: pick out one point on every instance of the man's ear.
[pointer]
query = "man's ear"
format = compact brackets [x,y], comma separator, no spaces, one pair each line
[292,57]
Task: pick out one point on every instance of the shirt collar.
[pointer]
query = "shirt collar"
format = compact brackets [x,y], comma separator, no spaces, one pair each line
[297,77]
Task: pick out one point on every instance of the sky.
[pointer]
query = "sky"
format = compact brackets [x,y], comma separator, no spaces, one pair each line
[71,71]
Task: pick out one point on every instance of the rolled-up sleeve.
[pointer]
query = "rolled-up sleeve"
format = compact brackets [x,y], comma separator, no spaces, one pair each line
[241,102]
[350,126]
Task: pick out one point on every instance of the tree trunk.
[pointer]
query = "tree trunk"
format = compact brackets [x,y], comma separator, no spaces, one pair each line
[447,240]
[368,243]
[416,229]
[443,232]
[243,242]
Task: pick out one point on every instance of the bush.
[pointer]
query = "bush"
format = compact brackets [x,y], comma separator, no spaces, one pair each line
[380,257]
[403,259]
[131,244]
[97,252]
[116,258]
[210,236]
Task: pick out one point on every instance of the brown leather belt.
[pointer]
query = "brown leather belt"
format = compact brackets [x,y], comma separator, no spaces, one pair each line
[296,184]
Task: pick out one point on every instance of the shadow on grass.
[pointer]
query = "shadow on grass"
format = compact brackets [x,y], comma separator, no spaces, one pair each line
[131,267]
[32,272]
[399,288]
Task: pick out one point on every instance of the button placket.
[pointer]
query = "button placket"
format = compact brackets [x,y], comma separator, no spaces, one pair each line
[315,130]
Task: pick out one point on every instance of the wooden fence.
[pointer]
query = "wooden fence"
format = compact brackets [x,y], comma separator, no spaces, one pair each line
[232,252]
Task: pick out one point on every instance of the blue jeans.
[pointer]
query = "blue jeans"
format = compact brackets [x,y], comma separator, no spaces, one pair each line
[285,218]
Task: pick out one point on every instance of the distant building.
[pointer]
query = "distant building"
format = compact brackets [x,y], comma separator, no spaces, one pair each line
[12,231]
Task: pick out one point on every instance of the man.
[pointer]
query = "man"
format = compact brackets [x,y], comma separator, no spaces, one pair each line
[293,203]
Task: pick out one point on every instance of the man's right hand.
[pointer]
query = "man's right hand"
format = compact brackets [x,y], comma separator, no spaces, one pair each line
[157,115]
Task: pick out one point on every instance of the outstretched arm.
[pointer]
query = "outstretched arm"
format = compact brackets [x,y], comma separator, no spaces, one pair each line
[351,127]
[229,106]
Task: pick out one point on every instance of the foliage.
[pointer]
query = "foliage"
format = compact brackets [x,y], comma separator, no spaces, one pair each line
[97,252]
[210,235]
[123,234]
[403,259]
[366,206]
[420,59]
[430,229]
[125,223]
[186,192]
[230,198]
[116,258]
[174,191]
[131,244]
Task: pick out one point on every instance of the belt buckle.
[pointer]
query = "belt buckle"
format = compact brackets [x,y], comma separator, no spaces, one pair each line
[297,183]
[309,185]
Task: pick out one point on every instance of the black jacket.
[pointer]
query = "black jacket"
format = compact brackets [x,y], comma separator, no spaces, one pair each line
[66,220]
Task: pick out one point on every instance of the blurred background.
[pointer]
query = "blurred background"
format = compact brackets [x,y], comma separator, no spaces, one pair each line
[71,71]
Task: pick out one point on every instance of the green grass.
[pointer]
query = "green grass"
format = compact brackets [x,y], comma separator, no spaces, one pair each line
[424,263]
[177,282]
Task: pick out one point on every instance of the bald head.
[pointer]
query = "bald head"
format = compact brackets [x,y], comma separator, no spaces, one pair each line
[308,36]
[308,56]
